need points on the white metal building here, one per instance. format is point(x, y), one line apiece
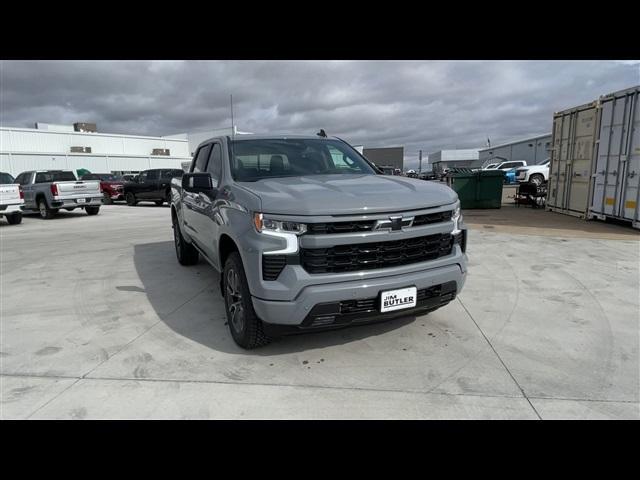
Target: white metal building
point(533, 150)
point(60, 147)
point(443, 159)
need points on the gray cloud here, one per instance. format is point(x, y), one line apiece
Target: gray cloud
point(426, 105)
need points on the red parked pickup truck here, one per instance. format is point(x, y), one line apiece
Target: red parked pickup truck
point(112, 185)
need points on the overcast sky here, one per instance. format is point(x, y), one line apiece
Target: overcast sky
point(428, 105)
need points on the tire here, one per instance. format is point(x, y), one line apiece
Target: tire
point(245, 326)
point(159, 203)
point(92, 210)
point(45, 212)
point(106, 199)
point(14, 219)
point(186, 253)
point(536, 179)
point(131, 199)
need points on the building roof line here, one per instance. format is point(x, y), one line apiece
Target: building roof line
point(522, 140)
point(91, 134)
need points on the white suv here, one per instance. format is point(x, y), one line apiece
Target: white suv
point(537, 174)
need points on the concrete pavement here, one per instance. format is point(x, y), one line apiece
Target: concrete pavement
point(98, 320)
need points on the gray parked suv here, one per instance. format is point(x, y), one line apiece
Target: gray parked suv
point(307, 236)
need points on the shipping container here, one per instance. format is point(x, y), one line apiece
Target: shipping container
point(616, 177)
point(573, 141)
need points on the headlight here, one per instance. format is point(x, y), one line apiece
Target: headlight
point(288, 231)
point(263, 224)
point(457, 218)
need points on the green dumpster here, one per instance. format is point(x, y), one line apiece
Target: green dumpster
point(479, 189)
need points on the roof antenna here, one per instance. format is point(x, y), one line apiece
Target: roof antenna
point(322, 133)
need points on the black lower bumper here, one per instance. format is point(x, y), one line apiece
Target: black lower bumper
point(335, 315)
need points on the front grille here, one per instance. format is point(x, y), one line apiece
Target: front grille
point(430, 218)
point(272, 265)
point(366, 256)
point(340, 227)
point(367, 225)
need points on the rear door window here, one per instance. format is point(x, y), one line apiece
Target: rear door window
point(153, 175)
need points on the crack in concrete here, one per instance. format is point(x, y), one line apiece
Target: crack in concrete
point(327, 387)
point(499, 358)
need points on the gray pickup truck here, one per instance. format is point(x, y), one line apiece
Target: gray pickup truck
point(307, 235)
point(47, 191)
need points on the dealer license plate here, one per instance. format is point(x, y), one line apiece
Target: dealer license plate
point(398, 299)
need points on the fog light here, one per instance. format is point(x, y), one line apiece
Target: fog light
point(324, 320)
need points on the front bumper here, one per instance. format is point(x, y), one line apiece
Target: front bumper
point(312, 301)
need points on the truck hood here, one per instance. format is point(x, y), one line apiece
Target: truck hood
point(347, 194)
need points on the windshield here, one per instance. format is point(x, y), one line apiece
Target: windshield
point(253, 160)
point(546, 162)
point(6, 178)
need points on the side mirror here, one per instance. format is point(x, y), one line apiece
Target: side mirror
point(197, 182)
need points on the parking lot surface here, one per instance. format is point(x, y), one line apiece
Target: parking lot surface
point(98, 320)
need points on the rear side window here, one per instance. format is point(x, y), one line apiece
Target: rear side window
point(153, 175)
point(46, 177)
point(201, 159)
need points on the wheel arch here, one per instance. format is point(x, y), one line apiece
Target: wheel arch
point(226, 246)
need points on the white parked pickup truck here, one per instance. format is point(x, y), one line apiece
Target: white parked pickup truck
point(11, 199)
point(537, 174)
point(47, 191)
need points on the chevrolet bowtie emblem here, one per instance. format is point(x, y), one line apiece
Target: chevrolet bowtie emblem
point(395, 222)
